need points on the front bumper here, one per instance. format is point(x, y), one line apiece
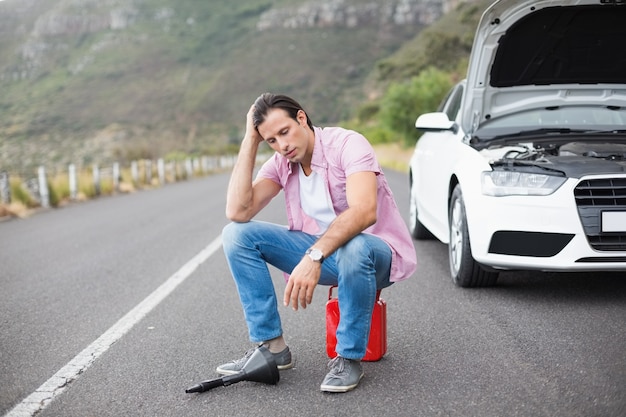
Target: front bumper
point(559, 232)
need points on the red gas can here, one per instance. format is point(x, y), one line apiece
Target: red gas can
point(377, 343)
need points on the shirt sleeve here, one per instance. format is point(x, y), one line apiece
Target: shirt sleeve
point(358, 155)
point(269, 170)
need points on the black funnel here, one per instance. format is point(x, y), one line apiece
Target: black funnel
point(261, 367)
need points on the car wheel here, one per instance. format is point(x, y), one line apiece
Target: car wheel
point(418, 230)
point(466, 272)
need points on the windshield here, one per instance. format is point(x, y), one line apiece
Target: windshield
point(585, 118)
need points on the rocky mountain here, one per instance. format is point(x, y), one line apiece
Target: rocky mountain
point(88, 81)
point(339, 13)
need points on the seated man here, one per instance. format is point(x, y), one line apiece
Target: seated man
point(344, 229)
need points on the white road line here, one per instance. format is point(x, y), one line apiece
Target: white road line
point(53, 387)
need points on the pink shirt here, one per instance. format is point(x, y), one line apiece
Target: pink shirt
point(337, 154)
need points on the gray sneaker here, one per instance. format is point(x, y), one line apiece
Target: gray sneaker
point(344, 375)
point(282, 359)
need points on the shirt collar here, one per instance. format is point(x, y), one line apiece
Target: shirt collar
point(319, 157)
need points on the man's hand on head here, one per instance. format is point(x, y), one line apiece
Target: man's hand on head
point(251, 130)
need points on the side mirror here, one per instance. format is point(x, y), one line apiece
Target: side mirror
point(435, 122)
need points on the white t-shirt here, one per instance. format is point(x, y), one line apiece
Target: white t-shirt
point(315, 200)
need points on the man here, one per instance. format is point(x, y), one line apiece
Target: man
point(344, 229)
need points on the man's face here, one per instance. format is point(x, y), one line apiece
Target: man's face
point(289, 137)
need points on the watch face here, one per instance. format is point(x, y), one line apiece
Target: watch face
point(316, 254)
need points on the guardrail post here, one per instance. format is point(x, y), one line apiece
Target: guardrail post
point(71, 169)
point(215, 163)
point(161, 170)
point(188, 168)
point(5, 188)
point(134, 172)
point(44, 193)
point(116, 176)
point(147, 164)
point(195, 164)
point(96, 179)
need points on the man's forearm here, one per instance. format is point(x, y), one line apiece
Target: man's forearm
point(347, 225)
point(239, 195)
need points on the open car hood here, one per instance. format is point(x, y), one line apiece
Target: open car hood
point(529, 54)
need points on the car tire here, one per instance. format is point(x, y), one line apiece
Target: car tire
point(418, 230)
point(465, 271)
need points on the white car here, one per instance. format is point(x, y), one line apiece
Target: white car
point(523, 167)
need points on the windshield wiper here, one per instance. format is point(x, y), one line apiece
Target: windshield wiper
point(606, 132)
point(556, 131)
point(542, 131)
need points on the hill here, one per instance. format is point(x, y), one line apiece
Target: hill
point(87, 81)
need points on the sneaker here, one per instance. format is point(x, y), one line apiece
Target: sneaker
point(282, 359)
point(344, 375)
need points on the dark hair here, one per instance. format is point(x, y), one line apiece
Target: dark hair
point(267, 101)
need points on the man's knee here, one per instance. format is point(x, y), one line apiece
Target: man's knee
point(354, 256)
point(366, 253)
point(356, 248)
point(233, 233)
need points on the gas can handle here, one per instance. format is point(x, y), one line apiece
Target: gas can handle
point(330, 293)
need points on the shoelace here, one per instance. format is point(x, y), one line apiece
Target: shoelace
point(337, 366)
point(246, 356)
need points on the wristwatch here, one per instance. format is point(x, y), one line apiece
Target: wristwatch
point(316, 255)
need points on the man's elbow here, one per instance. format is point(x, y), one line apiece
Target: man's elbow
point(369, 218)
point(372, 220)
point(237, 216)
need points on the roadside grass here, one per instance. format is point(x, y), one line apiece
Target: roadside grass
point(393, 156)
point(20, 194)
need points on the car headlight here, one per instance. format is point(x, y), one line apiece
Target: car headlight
point(504, 183)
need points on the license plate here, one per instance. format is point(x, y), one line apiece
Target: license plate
point(614, 221)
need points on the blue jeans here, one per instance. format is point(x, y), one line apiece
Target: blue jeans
point(358, 268)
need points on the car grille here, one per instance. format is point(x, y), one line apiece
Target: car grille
point(592, 198)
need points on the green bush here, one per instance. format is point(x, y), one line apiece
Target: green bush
point(404, 101)
point(60, 186)
point(378, 135)
point(367, 111)
point(86, 187)
point(53, 195)
point(20, 194)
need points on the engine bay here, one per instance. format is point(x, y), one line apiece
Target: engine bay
point(573, 159)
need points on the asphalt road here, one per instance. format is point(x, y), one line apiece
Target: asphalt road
point(535, 345)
